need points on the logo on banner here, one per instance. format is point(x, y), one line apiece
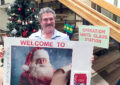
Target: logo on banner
point(80, 79)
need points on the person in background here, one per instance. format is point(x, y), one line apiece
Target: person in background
point(47, 18)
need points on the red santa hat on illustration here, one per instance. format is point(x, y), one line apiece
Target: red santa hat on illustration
point(33, 55)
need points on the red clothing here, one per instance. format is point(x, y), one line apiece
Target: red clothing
point(26, 79)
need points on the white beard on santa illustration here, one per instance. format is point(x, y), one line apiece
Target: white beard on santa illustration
point(43, 72)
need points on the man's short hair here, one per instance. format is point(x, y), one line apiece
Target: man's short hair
point(46, 10)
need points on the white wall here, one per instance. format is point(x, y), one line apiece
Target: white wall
point(9, 1)
point(118, 5)
point(113, 2)
point(3, 19)
point(110, 1)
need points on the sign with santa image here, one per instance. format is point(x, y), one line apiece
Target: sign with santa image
point(45, 62)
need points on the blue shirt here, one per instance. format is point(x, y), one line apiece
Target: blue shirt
point(56, 36)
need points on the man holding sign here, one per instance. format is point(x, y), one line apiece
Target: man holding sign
point(47, 20)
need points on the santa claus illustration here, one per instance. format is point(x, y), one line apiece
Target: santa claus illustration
point(37, 69)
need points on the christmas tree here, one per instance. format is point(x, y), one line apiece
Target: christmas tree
point(22, 18)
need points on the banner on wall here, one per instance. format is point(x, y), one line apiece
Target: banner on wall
point(99, 35)
point(34, 62)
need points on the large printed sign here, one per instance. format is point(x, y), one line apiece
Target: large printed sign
point(52, 55)
point(99, 35)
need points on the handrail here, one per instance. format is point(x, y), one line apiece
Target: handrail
point(93, 16)
point(111, 8)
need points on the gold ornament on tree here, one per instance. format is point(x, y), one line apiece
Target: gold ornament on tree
point(19, 21)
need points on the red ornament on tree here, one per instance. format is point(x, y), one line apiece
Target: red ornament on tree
point(24, 34)
point(1, 55)
point(1, 52)
point(28, 22)
point(19, 9)
point(6, 35)
point(12, 18)
point(33, 9)
point(34, 30)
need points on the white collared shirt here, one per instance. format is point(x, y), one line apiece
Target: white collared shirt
point(57, 35)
